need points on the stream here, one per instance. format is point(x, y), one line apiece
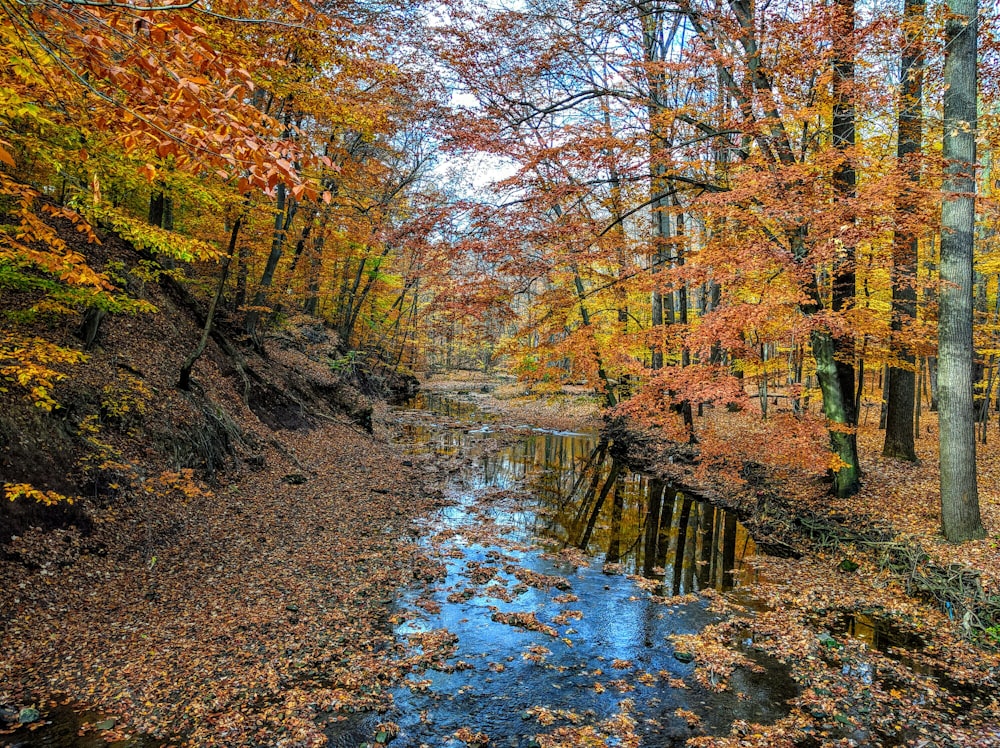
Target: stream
point(563, 577)
point(553, 584)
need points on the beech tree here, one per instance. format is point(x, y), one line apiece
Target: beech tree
point(900, 384)
point(960, 516)
point(759, 170)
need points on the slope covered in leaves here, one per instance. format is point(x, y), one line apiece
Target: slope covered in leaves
point(233, 617)
point(224, 567)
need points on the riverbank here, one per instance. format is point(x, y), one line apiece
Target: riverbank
point(569, 408)
point(252, 614)
point(264, 612)
point(876, 664)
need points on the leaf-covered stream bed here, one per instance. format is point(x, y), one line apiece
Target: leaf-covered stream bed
point(551, 597)
point(561, 579)
point(575, 602)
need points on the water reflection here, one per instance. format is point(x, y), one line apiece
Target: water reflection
point(579, 494)
point(643, 523)
point(592, 649)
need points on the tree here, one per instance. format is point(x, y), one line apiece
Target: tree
point(845, 184)
point(960, 518)
point(900, 387)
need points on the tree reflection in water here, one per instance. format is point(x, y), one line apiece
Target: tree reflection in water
point(586, 497)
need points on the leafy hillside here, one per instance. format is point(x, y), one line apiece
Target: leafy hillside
point(99, 416)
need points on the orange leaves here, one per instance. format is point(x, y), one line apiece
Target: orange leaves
point(234, 641)
point(715, 658)
point(157, 81)
point(5, 156)
point(527, 621)
point(692, 719)
point(472, 739)
point(32, 241)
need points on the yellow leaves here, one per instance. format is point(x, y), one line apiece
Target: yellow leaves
point(14, 491)
point(182, 481)
point(125, 400)
point(155, 240)
point(836, 463)
point(31, 241)
point(28, 363)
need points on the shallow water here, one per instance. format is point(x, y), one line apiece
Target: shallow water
point(64, 726)
point(560, 505)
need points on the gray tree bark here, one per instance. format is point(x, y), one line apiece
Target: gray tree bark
point(845, 186)
point(960, 517)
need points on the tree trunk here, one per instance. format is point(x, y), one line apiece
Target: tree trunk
point(614, 554)
point(609, 483)
point(960, 517)
point(284, 214)
point(609, 392)
point(682, 533)
point(652, 526)
point(184, 381)
point(726, 574)
point(311, 305)
point(845, 186)
point(846, 478)
point(899, 421)
point(156, 203)
point(656, 41)
point(707, 532)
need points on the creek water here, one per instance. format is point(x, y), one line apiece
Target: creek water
point(564, 575)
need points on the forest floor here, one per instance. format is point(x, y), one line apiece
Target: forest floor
point(255, 612)
point(260, 612)
point(239, 616)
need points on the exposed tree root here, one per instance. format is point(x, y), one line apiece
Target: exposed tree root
point(957, 589)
